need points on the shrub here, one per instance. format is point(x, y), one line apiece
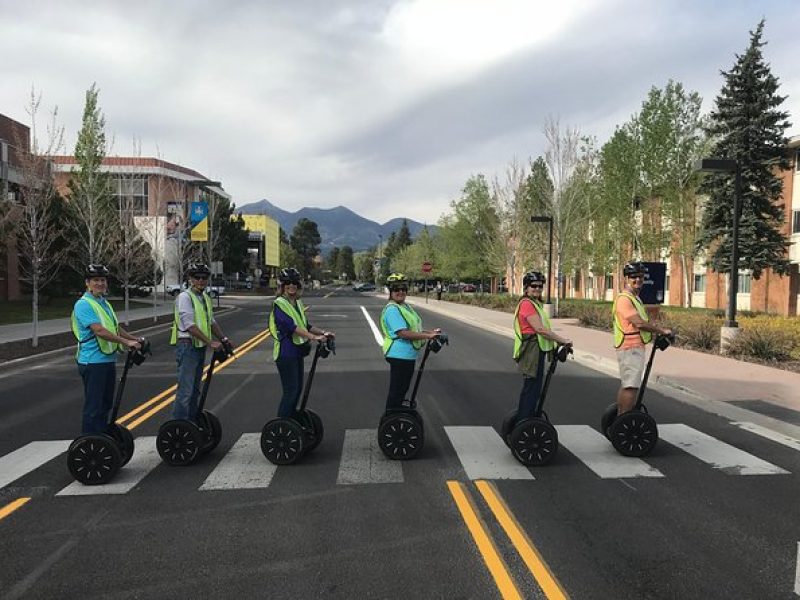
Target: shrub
point(765, 343)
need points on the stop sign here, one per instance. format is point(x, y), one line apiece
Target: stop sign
point(427, 267)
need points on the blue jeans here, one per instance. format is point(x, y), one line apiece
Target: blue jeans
point(190, 374)
point(291, 372)
point(531, 390)
point(99, 381)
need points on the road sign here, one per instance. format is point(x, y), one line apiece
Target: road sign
point(427, 267)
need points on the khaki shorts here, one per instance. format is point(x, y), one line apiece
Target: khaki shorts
point(631, 366)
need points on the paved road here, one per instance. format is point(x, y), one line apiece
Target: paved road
point(712, 513)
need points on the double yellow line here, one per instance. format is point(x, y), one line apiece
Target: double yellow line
point(491, 556)
point(150, 407)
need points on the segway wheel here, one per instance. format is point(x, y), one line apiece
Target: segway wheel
point(534, 442)
point(94, 459)
point(316, 430)
point(211, 431)
point(401, 436)
point(179, 442)
point(124, 439)
point(609, 415)
point(282, 441)
point(634, 434)
point(508, 425)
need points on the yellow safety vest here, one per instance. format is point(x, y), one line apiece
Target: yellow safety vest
point(619, 335)
point(545, 344)
point(412, 319)
point(298, 315)
point(109, 321)
point(200, 311)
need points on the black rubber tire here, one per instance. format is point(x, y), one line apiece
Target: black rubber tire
point(282, 441)
point(124, 438)
point(178, 442)
point(316, 430)
point(534, 442)
point(401, 436)
point(634, 433)
point(210, 431)
point(508, 426)
point(609, 416)
point(94, 459)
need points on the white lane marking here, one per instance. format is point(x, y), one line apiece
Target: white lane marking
point(363, 462)
point(484, 455)
point(244, 467)
point(328, 295)
point(718, 454)
point(770, 434)
point(596, 452)
point(797, 572)
point(145, 459)
point(28, 458)
point(375, 331)
point(334, 315)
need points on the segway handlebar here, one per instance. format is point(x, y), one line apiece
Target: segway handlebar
point(662, 342)
point(437, 343)
point(562, 352)
point(224, 352)
point(138, 355)
point(326, 347)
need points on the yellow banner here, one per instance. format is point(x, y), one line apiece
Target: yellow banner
point(200, 231)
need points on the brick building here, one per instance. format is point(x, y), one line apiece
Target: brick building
point(12, 134)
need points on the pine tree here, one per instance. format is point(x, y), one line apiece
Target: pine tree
point(749, 127)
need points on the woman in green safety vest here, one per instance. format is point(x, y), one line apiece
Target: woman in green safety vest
point(403, 337)
point(292, 335)
point(533, 339)
point(632, 331)
point(99, 336)
point(192, 330)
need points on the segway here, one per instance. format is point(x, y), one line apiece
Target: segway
point(285, 440)
point(635, 433)
point(94, 459)
point(401, 432)
point(534, 440)
point(180, 441)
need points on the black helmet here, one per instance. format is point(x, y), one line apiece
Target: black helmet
point(96, 271)
point(395, 281)
point(290, 275)
point(198, 269)
point(634, 268)
point(532, 277)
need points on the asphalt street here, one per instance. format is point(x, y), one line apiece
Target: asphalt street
point(713, 512)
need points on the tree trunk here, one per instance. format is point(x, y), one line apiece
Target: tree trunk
point(35, 312)
point(687, 280)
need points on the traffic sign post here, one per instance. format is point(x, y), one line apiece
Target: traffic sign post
point(427, 267)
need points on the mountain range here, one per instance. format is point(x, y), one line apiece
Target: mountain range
point(338, 226)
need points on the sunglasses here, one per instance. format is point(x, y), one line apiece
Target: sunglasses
point(537, 286)
point(200, 277)
point(635, 276)
point(400, 289)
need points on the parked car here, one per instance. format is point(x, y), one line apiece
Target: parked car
point(364, 287)
point(214, 290)
point(468, 287)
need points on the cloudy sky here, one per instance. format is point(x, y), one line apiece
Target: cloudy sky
point(386, 107)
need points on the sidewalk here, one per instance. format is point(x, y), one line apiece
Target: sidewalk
point(736, 384)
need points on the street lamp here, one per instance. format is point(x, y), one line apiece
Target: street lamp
point(729, 165)
point(549, 221)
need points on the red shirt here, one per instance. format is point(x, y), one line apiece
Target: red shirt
point(526, 309)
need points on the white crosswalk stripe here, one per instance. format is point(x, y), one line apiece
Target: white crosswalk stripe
point(28, 458)
point(716, 453)
point(363, 462)
point(484, 455)
point(145, 459)
point(596, 452)
point(243, 467)
point(775, 436)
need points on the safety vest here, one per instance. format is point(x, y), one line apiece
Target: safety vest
point(619, 335)
point(545, 344)
point(297, 314)
point(109, 321)
point(203, 314)
point(411, 318)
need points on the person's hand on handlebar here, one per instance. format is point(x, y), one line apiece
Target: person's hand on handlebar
point(132, 344)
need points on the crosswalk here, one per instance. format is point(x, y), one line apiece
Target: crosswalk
point(480, 453)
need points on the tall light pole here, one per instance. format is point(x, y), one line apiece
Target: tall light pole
point(549, 221)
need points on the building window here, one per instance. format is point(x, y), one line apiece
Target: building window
point(609, 282)
point(666, 283)
point(796, 221)
point(577, 283)
point(131, 193)
point(744, 281)
point(699, 283)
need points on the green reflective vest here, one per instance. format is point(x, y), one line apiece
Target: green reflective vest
point(297, 314)
point(545, 344)
point(619, 335)
point(411, 318)
point(203, 314)
point(109, 321)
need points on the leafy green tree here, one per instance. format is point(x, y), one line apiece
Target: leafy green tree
point(333, 262)
point(289, 256)
point(749, 126)
point(344, 264)
point(364, 262)
point(232, 238)
point(305, 240)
